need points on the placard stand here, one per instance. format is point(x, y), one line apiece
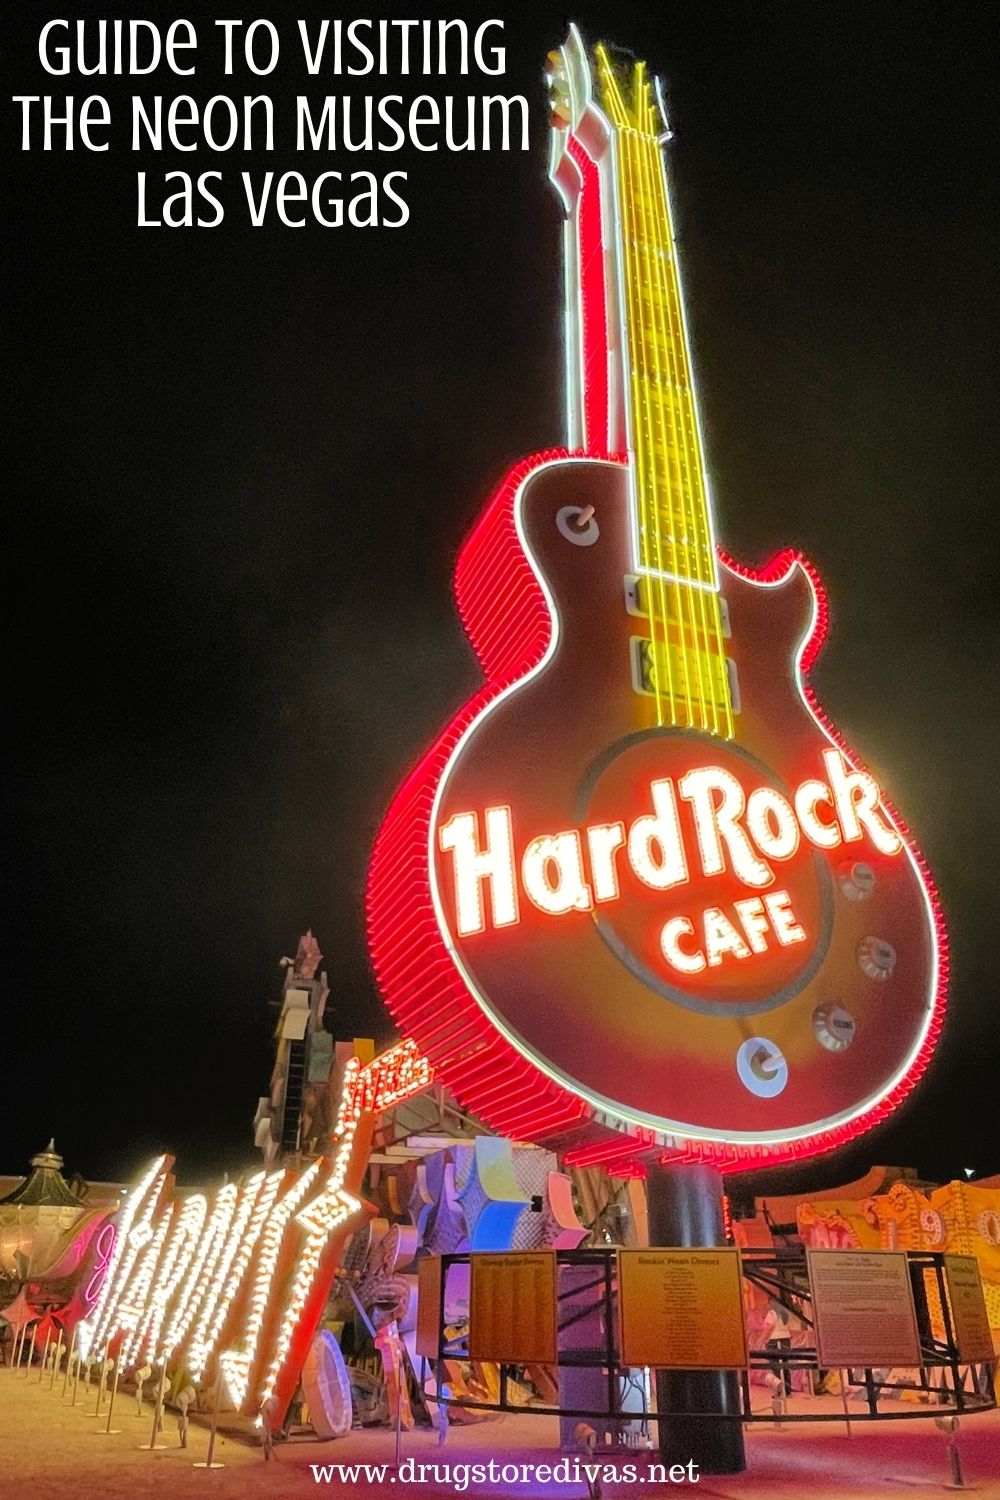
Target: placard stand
point(56, 1360)
point(45, 1356)
point(698, 1411)
point(69, 1364)
point(208, 1464)
point(31, 1351)
point(153, 1446)
point(110, 1431)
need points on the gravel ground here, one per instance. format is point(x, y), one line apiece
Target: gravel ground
point(49, 1449)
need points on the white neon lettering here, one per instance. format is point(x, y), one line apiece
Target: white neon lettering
point(472, 865)
point(721, 938)
point(567, 891)
point(662, 829)
point(603, 841)
point(772, 824)
point(685, 963)
point(751, 914)
point(715, 821)
point(574, 869)
point(779, 909)
point(808, 796)
point(856, 798)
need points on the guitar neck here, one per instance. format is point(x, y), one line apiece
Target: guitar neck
point(629, 382)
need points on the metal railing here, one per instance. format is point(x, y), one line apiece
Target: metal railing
point(588, 1305)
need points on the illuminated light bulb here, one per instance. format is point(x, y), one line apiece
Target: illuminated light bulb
point(786, 928)
point(236, 1364)
point(716, 823)
point(94, 1333)
point(332, 1208)
point(685, 963)
point(772, 823)
point(388, 1078)
point(662, 830)
point(808, 796)
point(181, 1246)
point(603, 842)
point(472, 866)
point(567, 891)
point(136, 1290)
point(755, 925)
point(213, 1303)
point(207, 1252)
point(721, 937)
point(857, 799)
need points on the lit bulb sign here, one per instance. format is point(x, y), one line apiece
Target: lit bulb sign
point(640, 895)
point(747, 836)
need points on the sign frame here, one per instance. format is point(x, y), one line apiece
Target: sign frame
point(835, 1356)
point(528, 1335)
point(635, 1347)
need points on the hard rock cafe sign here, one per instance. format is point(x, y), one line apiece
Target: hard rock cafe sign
point(640, 895)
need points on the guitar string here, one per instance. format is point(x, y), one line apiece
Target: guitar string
point(661, 334)
point(708, 596)
point(712, 660)
point(616, 109)
point(676, 397)
point(652, 382)
point(652, 533)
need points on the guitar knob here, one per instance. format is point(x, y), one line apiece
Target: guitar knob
point(857, 881)
point(876, 957)
point(577, 524)
point(761, 1067)
point(834, 1027)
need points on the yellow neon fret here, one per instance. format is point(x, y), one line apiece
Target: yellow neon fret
point(684, 662)
point(676, 353)
point(647, 524)
point(656, 327)
point(640, 360)
point(662, 657)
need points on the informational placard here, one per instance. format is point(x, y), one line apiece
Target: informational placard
point(970, 1320)
point(513, 1315)
point(863, 1309)
point(429, 1306)
point(682, 1309)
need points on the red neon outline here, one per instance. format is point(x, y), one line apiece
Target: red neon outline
point(593, 303)
point(506, 617)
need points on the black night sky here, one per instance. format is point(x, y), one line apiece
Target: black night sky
point(238, 464)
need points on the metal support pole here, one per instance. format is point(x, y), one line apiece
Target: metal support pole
point(698, 1411)
point(843, 1401)
point(208, 1464)
point(110, 1431)
point(31, 1351)
point(45, 1356)
point(56, 1360)
point(69, 1361)
point(102, 1375)
point(22, 1332)
point(152, 1446)
point(76, 1380)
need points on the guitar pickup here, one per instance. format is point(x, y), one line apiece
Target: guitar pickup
point(637, 601)
point(684, 675)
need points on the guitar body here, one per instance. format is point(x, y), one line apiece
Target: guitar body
point(582, 1003)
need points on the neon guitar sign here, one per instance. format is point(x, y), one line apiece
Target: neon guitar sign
point(640, 895)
